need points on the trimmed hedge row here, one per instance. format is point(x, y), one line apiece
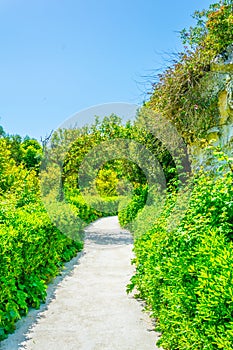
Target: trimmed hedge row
point(32, 251)
point(186, 275)
point(95, 208)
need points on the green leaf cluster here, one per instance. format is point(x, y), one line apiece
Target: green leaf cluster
point(185, 275)
point(32, 249)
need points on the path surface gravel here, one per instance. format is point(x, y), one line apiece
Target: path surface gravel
point(88, 308)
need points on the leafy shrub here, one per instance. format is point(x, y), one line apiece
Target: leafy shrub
point(106, 182)
point(105, 206)
point(186, 275)
point(92, 207)
point(129, 213)
point(32, 251)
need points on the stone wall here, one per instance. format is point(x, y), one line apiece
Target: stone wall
point(222, 133)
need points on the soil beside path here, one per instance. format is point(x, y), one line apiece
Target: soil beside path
point(90, 309)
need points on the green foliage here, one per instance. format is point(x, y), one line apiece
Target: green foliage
point(187, 92)
point(109, 129)
point(32, 249)
point(14, 141)
point(106, 182)
point(117, 175)
point(86, 212)
point(24, 151)
point(130, 211)
point(31, 153)
point(214, 27)
point(185, 275)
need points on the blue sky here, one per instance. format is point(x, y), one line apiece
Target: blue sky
point(61, 56)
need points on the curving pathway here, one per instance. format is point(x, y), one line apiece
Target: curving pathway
point(90, 309)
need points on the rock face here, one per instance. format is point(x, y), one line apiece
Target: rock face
point(224, 61)
point(222, 133)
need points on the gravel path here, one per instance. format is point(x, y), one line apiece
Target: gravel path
point(88, 308)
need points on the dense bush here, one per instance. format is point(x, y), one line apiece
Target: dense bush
point(32, 252)
point(32, 249)
point(129, 212)
point(185, 272)
point(186, 275)
point(91, 208)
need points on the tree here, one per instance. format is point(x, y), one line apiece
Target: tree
point(31, 153)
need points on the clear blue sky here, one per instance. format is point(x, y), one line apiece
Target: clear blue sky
point(61, 56)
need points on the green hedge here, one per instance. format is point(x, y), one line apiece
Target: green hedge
point(130, 211)
point(94, 208)
point(186, 275)
point(32, 251)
